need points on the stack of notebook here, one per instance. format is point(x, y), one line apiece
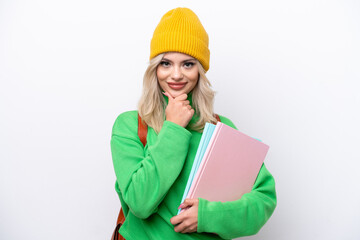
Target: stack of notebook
point(226, 164)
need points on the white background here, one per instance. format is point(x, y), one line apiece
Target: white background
point(286, 72)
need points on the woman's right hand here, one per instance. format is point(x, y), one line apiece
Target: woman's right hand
point(179, 110)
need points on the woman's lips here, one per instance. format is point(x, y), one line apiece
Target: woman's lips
point(177, 86)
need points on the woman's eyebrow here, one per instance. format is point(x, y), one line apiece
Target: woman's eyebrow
point(190, 59)
point(186, 60)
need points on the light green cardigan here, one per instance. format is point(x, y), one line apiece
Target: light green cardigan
point(151, 181)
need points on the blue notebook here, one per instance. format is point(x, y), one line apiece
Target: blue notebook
point(204, 141)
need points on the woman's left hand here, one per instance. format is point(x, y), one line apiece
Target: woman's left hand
point(187, 220)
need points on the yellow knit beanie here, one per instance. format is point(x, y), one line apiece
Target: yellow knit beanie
point(180, 30)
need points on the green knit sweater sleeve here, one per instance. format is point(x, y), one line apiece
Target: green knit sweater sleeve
point(242, 217)
point(145, 178)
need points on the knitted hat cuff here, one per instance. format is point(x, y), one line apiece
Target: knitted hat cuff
point(177, 42)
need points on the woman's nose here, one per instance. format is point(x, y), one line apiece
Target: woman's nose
point(176, 73)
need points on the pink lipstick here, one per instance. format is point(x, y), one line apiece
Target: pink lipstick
point(177, 86)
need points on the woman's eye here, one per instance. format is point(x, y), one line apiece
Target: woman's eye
point(188, 64)
point(164, 64)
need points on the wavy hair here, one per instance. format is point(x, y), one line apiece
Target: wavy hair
point(152, 103)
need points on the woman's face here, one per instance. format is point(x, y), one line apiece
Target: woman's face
point(177, 73)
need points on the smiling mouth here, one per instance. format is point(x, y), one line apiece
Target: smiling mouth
point(177, 86)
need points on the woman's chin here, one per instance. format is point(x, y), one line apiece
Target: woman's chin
point(175, 94)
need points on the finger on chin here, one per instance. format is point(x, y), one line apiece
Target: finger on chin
point(181, 97)
point(168, 95)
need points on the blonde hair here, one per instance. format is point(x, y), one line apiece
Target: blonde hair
point(152, 103)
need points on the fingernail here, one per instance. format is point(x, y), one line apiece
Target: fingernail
point(181, 206)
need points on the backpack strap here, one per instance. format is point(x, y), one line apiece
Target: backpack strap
point(120, 221)
point(142, 130)
point(142, 133)
point(217, 117)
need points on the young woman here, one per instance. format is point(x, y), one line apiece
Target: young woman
point(176, 103)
